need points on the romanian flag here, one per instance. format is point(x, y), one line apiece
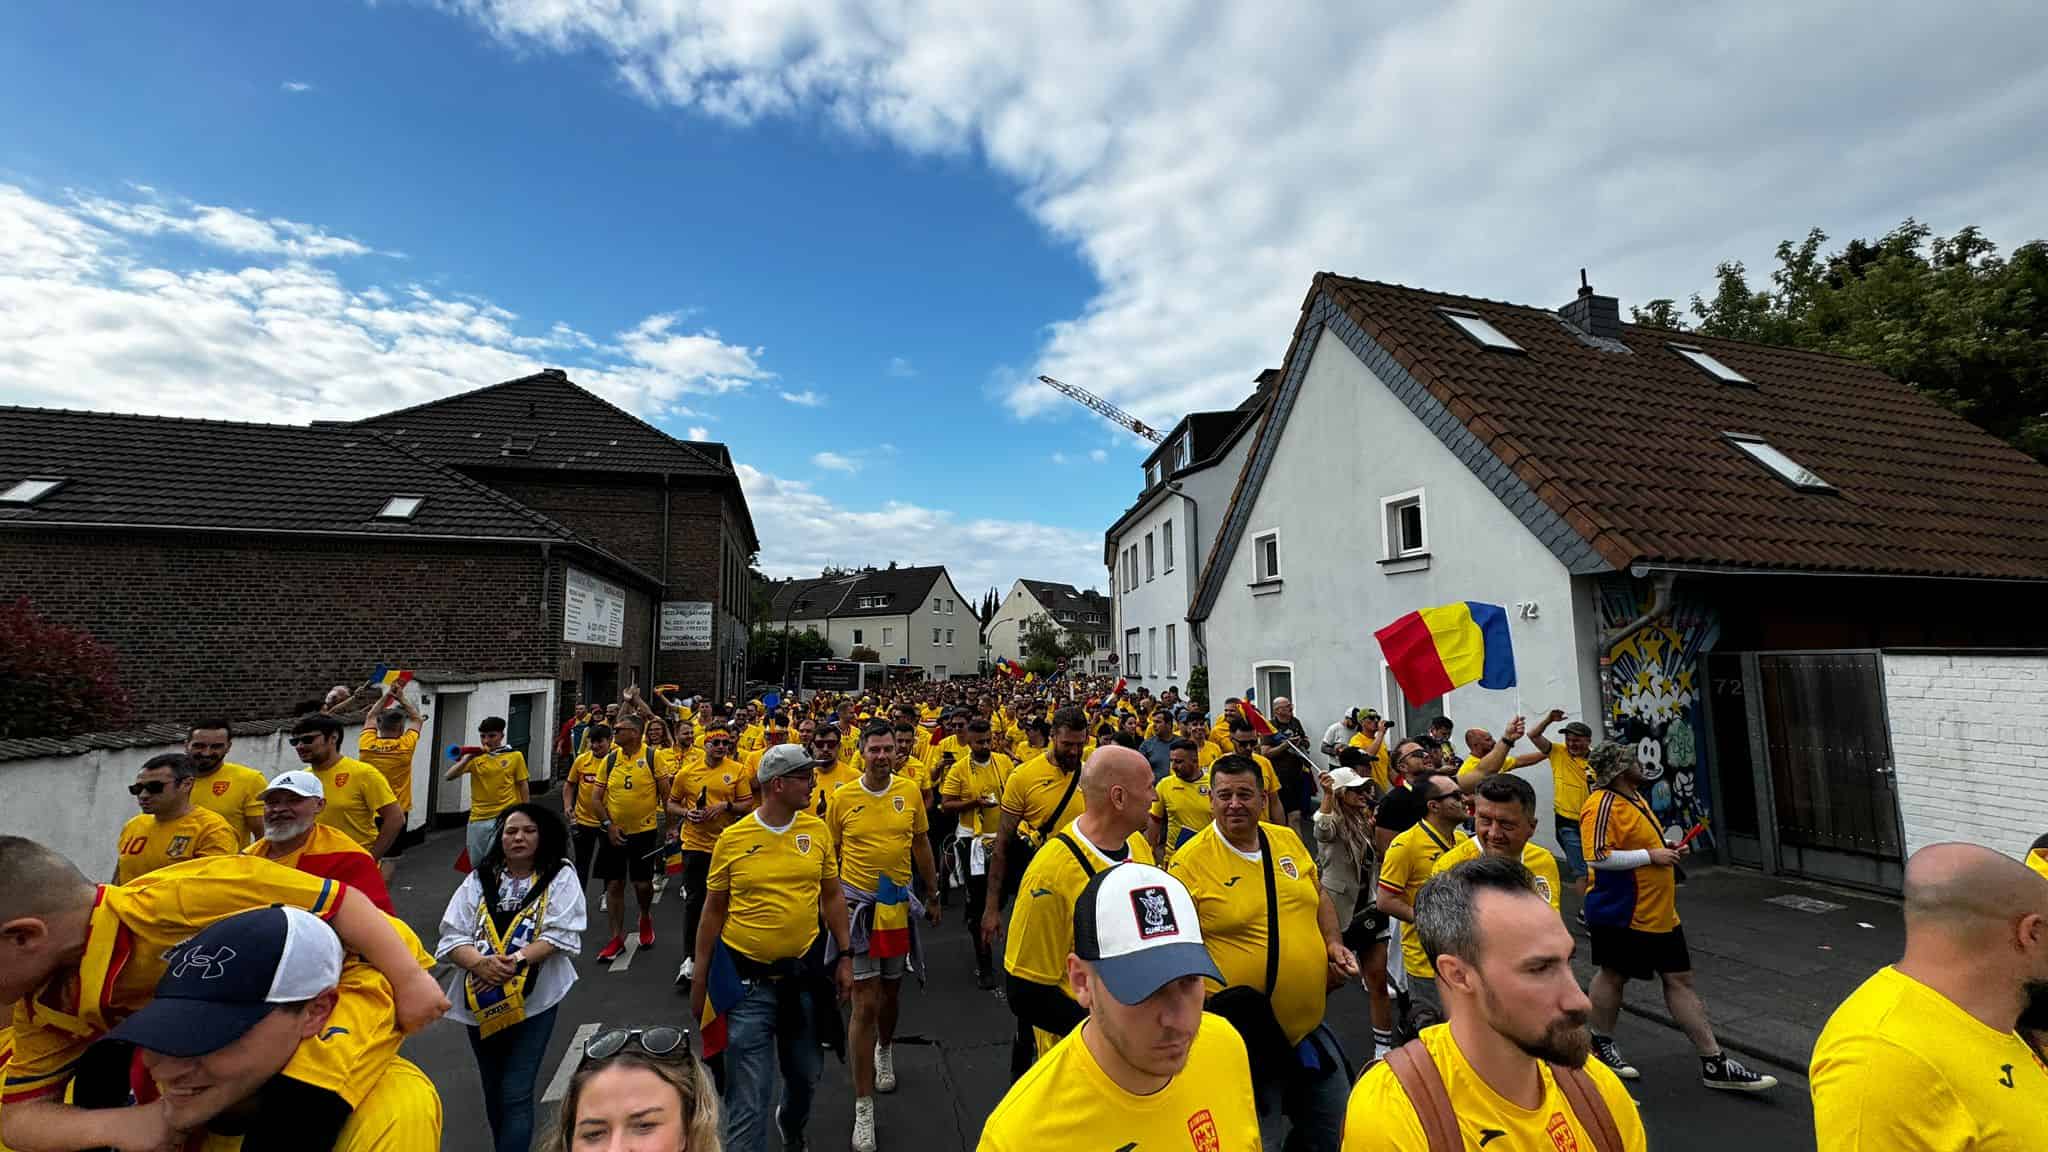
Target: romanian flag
point(890, 934)
point(722, 990)
point(672, 858)
point(1260, 725)
point(393, 679)
point(1437, 649)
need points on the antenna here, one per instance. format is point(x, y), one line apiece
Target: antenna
point(1114, 414)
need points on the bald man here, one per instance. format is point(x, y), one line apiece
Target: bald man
point(1926, 1054)
point(1117, 785)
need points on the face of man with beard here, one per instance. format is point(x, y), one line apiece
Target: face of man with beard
point(1522, 979)
point(1067, 745)
point(287, 815)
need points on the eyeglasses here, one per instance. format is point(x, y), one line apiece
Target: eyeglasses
point(307, 738)
point(662, 1043)
point(147, 787)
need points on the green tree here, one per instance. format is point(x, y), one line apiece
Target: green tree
point(1046, 648)
point(764, 650)
point(1944, 314)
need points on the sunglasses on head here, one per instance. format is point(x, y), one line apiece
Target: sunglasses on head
point(663, 1043)
point(147, 787)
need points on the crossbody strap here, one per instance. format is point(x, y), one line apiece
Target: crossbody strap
point(1589, 1106)
point(1080, 857)
point(1419, 1078)
point(1052, 823)
point(1272, 917)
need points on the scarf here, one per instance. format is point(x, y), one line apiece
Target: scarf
point(501, 933)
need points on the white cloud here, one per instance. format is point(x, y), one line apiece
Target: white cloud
point(900, 368)
point(802, 531)
point(836, 462)
point(1098, 455)
point(699, 432)
point(219, 227)
point(1207, 158)
point(805, 399)
point(1059, 457)
point(296, 86)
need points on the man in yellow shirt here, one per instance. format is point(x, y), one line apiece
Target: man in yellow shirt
point(1248, 879)
point(1632, 920)
point(1503, 824)
point(1925, 1055)
point(170, 828)
point(1503, 962)
point(582, 795)
point(1182, 808)
point(1117, 784)
point(387, 743)
point(835, 755)
point(705, 798)
point(1040, 798)
point(359, 800)
point(631, 801)
point(772, 880)
point(497, 781)
point(232, 791)
point(218, 1032)
point(972, 793)
point(878, 825)
point(1148, 1068)
point(1571, 781)
point(1403, 872)
point(1245, 742)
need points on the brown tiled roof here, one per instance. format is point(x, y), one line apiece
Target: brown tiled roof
point(1628, 448)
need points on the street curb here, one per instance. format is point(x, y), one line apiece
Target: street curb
point(1733, 1041)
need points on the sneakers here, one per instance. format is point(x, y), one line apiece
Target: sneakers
point(1605, 1051)
point(885, 1070)
point(610, 952)
point(864, 1124)
point(984, 980)
point(684, 973)
point(647, 931)
point(1727, 1073)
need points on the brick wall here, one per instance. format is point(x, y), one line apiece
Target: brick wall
point(621, 516)
point(250, 626)
point(1970, 747)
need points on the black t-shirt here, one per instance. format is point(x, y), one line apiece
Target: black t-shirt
point(1121, 853)
point(1401, 810)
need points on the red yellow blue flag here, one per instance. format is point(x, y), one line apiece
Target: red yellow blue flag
point(1434, 650)
point(890, 935)
point(722, 991)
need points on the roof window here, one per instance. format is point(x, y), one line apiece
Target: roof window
point(401, 507)
point(1782, 466)
point(1482, 333)
point(1712, 367)
point(29, 491)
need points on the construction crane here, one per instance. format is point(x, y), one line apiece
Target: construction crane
point(1116, 415)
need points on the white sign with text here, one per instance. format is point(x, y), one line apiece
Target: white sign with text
point(686, 626)
point(593, 611)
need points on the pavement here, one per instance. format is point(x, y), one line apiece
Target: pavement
point(952, 1054)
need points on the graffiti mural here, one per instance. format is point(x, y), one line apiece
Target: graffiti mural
point(1653, 678)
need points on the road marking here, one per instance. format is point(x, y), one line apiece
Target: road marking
point(625, 959)
point(559, 1086)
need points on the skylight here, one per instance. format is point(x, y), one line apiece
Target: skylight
point(401, 507)
point(1711, 366)
point(29, 491)
point(1482, 333)
point(1784, 467)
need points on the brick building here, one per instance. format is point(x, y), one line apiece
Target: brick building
point(527, 529)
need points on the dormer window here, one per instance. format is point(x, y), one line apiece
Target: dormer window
point(26, 492)
point(401, 507)
point(1706, 363)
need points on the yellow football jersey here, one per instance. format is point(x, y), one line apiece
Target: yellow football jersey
point(234, 792)
point(1033, 792)
point(700, 785)
point(356, 792)
point(148, 843)
point(393, 758)
point(1407, 866)
point(1230, 897)
point(871, 833)
point(773, 877)
point(1536, 859)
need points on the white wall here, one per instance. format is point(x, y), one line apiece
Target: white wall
point(481, 699)
point(1349, 442)
point(1006, 627)
point(1969, 747)
point(1194, 514)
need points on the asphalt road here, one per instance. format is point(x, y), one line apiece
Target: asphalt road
point(952, 1058)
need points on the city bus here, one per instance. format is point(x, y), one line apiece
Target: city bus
point(841, 676)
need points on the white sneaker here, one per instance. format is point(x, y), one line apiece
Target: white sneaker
point(684, 973)
point(864, 1124)
point(885, 1068)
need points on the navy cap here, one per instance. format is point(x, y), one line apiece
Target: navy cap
point(1137, 925)
point(221, 983)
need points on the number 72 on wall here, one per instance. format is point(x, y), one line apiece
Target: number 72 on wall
point(1525, 610)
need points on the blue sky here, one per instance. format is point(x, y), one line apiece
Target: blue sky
point(844, 238)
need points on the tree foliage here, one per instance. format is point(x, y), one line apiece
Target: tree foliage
point(55, 681)
point(1945, 314)
point(764, 651)
point(1046, 648)
point(864, 655)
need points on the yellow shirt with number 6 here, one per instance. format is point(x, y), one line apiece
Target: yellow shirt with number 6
point(632, 796)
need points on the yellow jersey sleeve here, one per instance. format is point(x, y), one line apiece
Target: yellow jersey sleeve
point(1402, 866)
point(172, 904)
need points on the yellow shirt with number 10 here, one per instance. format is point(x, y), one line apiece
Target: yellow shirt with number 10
point(148, 843)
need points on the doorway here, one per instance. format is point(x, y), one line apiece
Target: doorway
point(451, 727)
point(600, 683)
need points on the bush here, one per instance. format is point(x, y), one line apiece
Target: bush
point(864, 655)
point(1198, 685)
point(55, 681)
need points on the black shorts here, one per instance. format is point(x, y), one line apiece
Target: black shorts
point(1639, 955)
point(634, 860)
point(407, 838)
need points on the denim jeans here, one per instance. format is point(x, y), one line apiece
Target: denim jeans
point(754, 1048)
point(509, 1062)
point(1309, 1111)
point(1571, 848)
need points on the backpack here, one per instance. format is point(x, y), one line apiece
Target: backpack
point(1425, 1088)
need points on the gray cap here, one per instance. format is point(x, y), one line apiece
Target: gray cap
point(1577, 728)
point(784, 760)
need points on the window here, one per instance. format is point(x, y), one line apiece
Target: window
point(1784, 467)
point(949, 636)
point(1265, 557)
point(29, 491)
point(1712, 367)
point(1166, 545)
point(1131, 667)
point(1403, 530)
point(1172, 656)
point(401, 507)
point(938, 671)
point(1152, 649)
point(1149, 568)
point(1483, 334)
point(1151, 474)
point(935, 635)
point(888, 637)
point(949, 606)
point(1413, 716)
point(856, 637)
point(1180, 453)
point(1273, 681)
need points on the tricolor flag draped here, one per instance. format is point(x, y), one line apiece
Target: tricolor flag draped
point(1260, 725)
point(722, 990)
point(890, 934)
point(1437, 649)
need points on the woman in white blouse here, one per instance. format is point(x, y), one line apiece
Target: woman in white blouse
point(510, 930)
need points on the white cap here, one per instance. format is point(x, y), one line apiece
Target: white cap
point(297, 783)
point(1342, 778)
point(1137, 925)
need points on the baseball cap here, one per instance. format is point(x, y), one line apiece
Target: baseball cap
point(1137, 926)
point(784, 760)
point(298, 784)
point(224, 981)
point(1576, 728)
point(1342, 778)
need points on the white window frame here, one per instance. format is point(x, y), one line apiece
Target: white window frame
point(1711, 364)
point(1152, 474)
point(1172, 656)
point(30, 489)
point(1778, 463)
point(1131, 654)
point(935, 636)
point(1480, 330)
point(949, 637)
point(403, 506)
point(1259, 574)
point(1394, 706)
point(1151, 565)
point(1152, 650)
point(856, 636)
point(1259, 671)
point(1390, 525)
point(888, 637)
point(1166, 546)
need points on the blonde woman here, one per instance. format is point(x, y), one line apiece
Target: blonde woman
point(638, 1090)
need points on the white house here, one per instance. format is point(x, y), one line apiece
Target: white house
point(1070, 611)
point(1806, 594)
point(1155, 550)
point(909, 616)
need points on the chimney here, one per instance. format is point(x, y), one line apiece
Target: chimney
point(555, 373)
point(1596, 316)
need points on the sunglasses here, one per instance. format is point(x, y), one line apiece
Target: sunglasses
point(662, 1043)
point(147, 788)
point(308, 738)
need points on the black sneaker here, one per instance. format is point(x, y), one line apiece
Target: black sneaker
point(984, 980)
point(1727, 1073)
point(1605, 1052)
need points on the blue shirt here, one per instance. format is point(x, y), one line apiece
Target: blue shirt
point(1160, 753)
